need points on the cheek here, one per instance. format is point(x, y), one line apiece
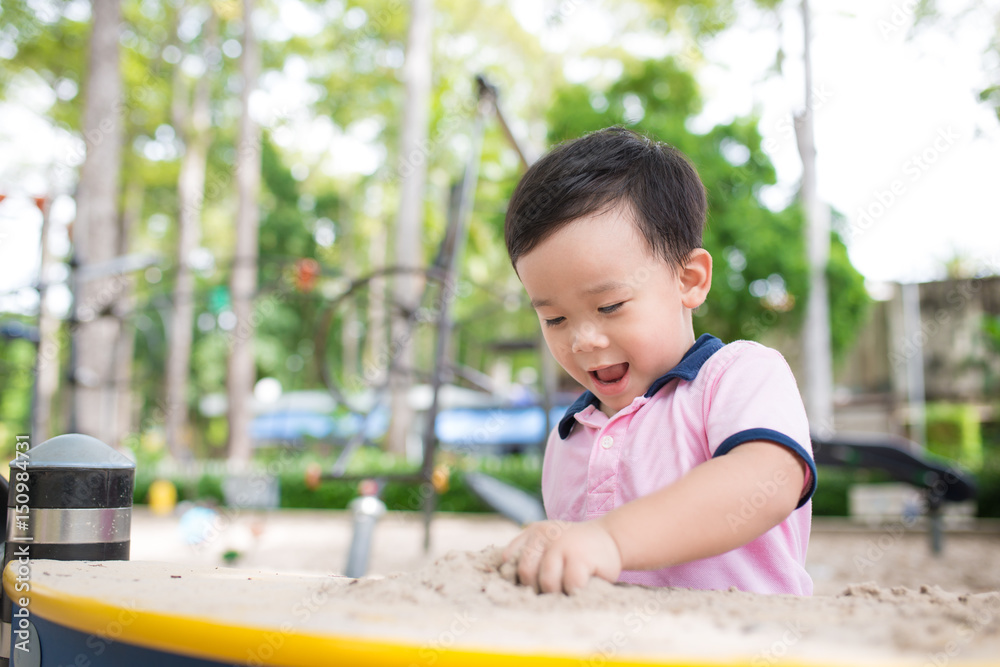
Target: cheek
point(560, 347)
point(644, 333)
point(555, 339)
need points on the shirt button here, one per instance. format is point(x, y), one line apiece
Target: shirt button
point(607, 441)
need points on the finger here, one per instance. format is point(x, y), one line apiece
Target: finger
point(576, 575)
point(528, 560)
point(527, 533)
point(513, 548)
point(550, 572)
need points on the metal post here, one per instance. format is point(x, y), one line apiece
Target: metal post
point(913, 349)
point(448, 260)
point(70, 498)
point(367, 509)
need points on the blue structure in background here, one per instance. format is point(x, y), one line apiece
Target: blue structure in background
point(291, 425)
point(491, 429)
point(494, 429)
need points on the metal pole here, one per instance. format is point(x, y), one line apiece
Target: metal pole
point(451, 252)
point(45, 379)
point(366, 510)
point(816, 329)
point(72, 377)
point(485, 88)
point(913, 347)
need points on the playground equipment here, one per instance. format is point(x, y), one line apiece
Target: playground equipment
point(904, 461)
point(519, 506)
point(441, 288)
point(366, 510)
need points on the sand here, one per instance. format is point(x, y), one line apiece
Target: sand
point(881, 595)
point(468, 600)
point(863, 622)
point(841, 552)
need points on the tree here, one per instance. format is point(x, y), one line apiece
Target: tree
point(190, 116)
point(96, 231)
point(412, 171)
point(761, 270)
point(243, 283)
point(816, 338)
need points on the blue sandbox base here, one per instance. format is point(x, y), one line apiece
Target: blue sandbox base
point(64, 647)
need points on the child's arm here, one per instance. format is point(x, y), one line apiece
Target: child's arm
point(696, 517)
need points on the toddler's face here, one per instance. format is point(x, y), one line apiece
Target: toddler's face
point(614, 316)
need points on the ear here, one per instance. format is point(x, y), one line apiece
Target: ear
point(696, 278)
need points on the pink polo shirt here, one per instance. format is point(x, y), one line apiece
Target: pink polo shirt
point(718, 397)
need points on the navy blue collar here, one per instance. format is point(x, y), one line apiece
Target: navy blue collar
point(686, 369)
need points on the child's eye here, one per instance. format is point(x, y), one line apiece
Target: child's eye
point(555, 321)
point(607, 310)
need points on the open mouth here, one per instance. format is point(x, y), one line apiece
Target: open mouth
point(610, 375)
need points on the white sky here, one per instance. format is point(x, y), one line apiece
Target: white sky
point(883, 101)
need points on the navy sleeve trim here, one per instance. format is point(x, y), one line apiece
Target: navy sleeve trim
point(777, 437)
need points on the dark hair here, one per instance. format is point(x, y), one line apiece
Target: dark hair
point(607, 168)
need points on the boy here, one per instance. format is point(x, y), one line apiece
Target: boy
point(685, 463)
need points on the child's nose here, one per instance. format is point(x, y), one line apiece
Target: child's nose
point(587, 338)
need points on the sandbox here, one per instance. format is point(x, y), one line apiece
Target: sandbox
point(465, 609)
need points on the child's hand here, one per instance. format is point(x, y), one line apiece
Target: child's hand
point(554, 556)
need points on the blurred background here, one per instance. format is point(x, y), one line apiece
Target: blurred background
point(255, 235)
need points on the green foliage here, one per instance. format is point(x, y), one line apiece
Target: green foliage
point(954, 432)
point(761, 272)
point(991, 336)
point(991, 327)
point(398, 496)
point(850, 304)
point(833, 488)
point(699, 17)
point(17, 360)
point(522, 471)
point(48, 47)
point(285, 316)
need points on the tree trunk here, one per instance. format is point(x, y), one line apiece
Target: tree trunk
point(125, 350)
point(412, 170)
point(373, 367)
point(816, 335)
point(243, 283)
point(350, 359)
point(95, 231)
point(47, 359)
point(193, 128)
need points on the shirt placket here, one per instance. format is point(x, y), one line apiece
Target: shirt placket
point(602, 471)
